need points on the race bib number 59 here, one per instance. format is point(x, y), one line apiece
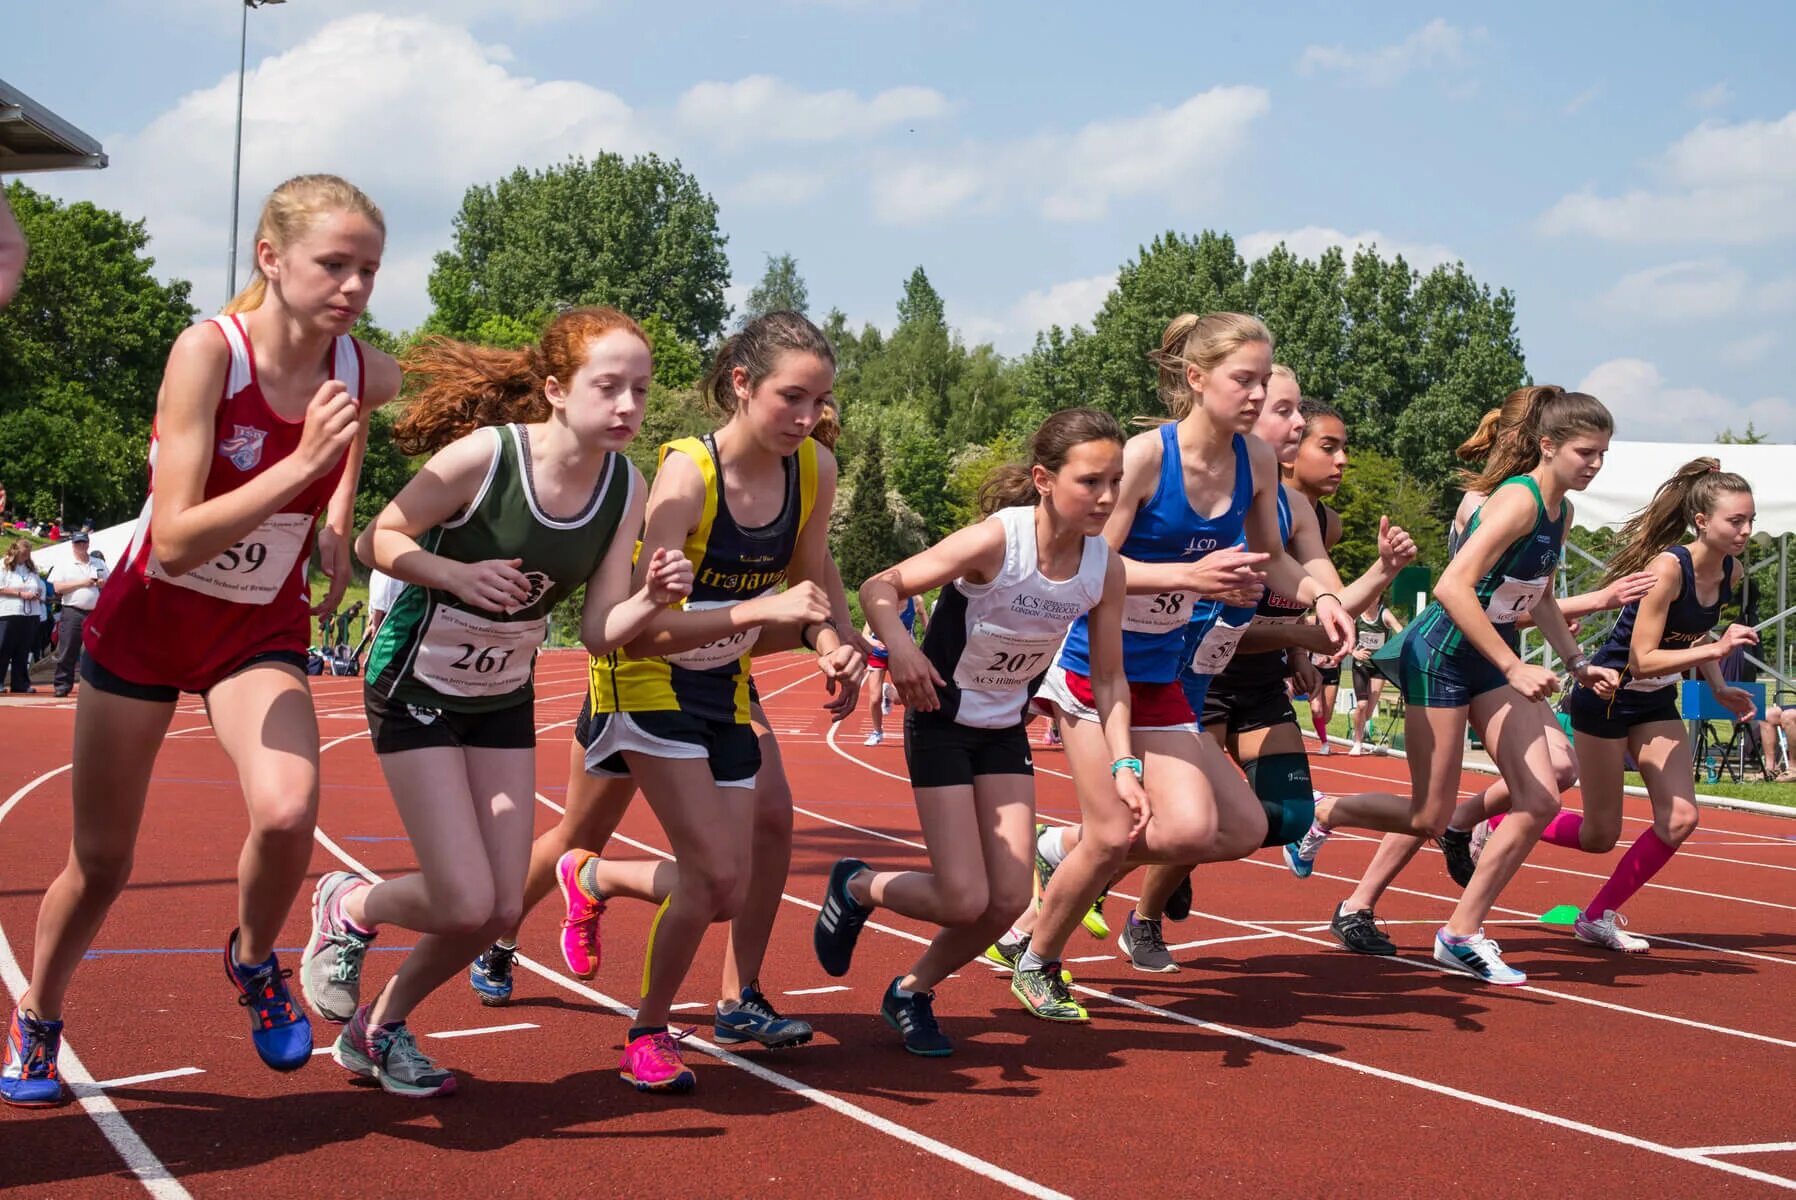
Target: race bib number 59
point(254, 570)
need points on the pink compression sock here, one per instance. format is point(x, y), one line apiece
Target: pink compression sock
point(1642, 861)
point(1562, 830)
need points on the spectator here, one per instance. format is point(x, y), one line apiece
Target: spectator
point(46, 619)
point(20, 597)
point(383, 593)
point(78, 583)
point(2, 503)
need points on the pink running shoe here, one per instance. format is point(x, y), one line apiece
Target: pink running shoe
point(652, 1063)
point(580, 927)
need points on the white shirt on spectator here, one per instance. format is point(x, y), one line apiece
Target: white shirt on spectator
point(68, 572)
point(15, 606)
point(383, 591)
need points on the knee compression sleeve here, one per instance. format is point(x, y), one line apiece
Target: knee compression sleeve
point(1282, 783)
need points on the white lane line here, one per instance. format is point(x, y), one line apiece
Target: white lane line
point(1092, 958)
point(1333, 1060)
point(1749, 1148)
point(1240, 937)
point(138, 1158)
point(1770, 958)
point(818, 991)
point(823, 1099)
point(462, 1033)
point(689, 1006)
point(150, 1077)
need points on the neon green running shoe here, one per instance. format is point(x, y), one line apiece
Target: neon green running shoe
point(1093, 920)
point(1044, 993)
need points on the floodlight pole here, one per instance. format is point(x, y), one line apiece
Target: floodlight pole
point(237, 141)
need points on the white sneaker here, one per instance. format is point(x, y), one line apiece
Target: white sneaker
point(1478, 956)
point(873, 739)
point(1608, 934)
point(1480, 835)
point(1325, 749)
point(1357, 750)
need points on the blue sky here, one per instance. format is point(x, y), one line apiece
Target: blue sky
point(1629, 171)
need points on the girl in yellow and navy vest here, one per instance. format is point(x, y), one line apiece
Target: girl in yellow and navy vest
point(501, 523)
point(749, 503)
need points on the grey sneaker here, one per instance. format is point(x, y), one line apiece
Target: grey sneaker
point(330, 972)
point(1142, 941)
point(389, 1055)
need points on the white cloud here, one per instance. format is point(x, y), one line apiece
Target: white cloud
point(1702, 289)
point(306, 15)
point(1647, 409)
point(1436, 46)
point(1066, 304)
point(761, 108)
point(777, 187)
point(1577, 102)
point(1177, 153)
point(1749, 351)
point(1721, 182)
point(411, 111)
point(1312, 240)
point(1712, 97)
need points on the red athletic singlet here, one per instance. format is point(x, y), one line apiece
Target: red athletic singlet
point(192, 630)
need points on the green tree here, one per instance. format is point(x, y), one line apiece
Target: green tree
point(1752, 437)
point(82, 350)
point(384, 470)
point(781, 289)
point(868, 541)
point(970, 468)
point(678, 363)
point(1376, 486)
point(639, 234)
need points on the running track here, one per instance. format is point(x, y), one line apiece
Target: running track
point(1275, 1061)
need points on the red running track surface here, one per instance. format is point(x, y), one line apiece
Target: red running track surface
point(1274, 1061)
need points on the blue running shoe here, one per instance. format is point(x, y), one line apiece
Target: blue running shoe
point(754, 1019)
point(839, 921)
point(914, 1019)
point(29, 1078)
point(1479, 956)
point(490, 975)
point(282, 1035)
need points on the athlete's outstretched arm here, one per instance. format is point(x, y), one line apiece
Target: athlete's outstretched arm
point(975, 553)
point(187, 530)
point(1284, 573)
point(612, 614)
point(840, 658)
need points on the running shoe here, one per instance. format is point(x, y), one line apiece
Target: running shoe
point(752, 1018)
point(330, 970)
point(1178, 905)
point(1456, 848)
point(1044, 993)
point(389, 1055)
point(280, 1031)
point(1356, 750)
point(1008, 954)
point(1477, 955)
point(1608, 934)
point(490, 975)
point(1324, 749)
point(913, 1017)
point(652, 1063)
point(1359, 932)
point(1093, 920)
point(1300, 855)
point(839, 921)
point(1044, 870)
point(886, 692)
point(1480, 838)
point(873, 739)
point(29, 1078)
point(580, 917)
point(1145, 946)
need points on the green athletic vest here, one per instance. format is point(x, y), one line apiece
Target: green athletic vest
point(433, 651)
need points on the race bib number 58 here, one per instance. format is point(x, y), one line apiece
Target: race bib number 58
point(1161, 612)
point(254, 570)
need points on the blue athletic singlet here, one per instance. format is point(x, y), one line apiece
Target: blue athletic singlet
point(1166, 529)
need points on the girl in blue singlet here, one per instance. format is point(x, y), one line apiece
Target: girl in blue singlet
point(1191, 489)
point(1461, 660)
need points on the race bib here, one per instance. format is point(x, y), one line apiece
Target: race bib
point(1160, 613)
point(723, 651)
point(465, 654)
point(1514, 599)
point(1217, 648)
point(1652, 684)
point(997, 659)
point(254, 570)
point(1371, 639)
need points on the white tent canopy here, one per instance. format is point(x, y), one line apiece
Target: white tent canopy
point(1634, 470)
point(111, 544)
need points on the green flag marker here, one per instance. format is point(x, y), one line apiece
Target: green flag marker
point(1564, 914)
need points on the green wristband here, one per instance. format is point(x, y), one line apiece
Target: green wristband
point(1133, 764)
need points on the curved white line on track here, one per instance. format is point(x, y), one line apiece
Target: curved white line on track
point(1690, 1156)
point(817, 1096)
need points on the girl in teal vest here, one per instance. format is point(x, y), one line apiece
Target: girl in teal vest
point(527, 498)
point(1461, 659)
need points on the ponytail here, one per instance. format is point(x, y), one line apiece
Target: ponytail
point(1201, 342)
point(1477, 448)
point(1695, 489)
point(1543, 411)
